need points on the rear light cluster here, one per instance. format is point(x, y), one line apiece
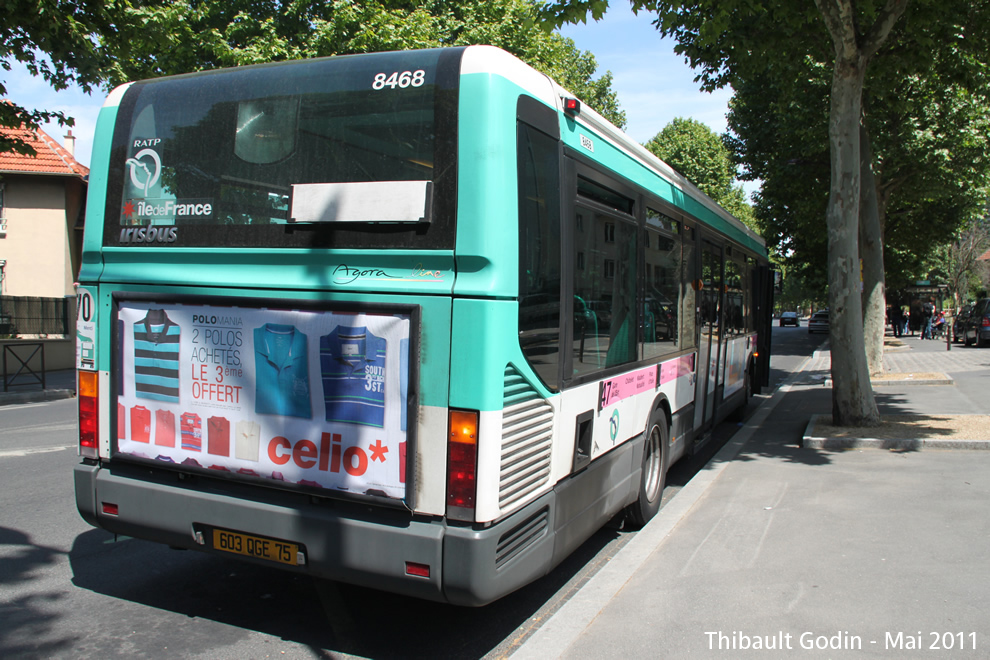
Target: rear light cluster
point(462, 458)
point(89, 416)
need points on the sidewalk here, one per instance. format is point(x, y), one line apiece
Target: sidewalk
point(777, 550)
point(26, 389)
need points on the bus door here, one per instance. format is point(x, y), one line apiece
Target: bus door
point(710, 341)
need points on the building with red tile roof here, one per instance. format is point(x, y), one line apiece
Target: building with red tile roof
point(50, 158)
point(42, 203)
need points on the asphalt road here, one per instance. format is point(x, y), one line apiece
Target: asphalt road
point(69, 590)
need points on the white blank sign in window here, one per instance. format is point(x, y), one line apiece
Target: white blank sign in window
point(373, 201)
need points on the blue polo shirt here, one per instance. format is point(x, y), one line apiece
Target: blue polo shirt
point(352, 362)
point(281, 371)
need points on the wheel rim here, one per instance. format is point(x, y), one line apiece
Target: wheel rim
point(652, 464)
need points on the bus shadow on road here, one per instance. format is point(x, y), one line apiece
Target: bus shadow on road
point(323, 616)
point(28, 615)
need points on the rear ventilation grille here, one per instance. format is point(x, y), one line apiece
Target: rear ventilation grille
point(527, 436)
point(521, 537)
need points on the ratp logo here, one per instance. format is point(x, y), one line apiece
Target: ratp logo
point(145, 174)
point(613, 425)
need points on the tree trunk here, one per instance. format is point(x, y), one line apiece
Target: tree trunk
point(852, 394)
point(871, 253)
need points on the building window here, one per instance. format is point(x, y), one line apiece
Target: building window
point(610, 232)
point(3, 220)
point(609, 268)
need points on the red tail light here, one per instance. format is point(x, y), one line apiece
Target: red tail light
point(462, 458)
point(418, 570)
point(89, 416)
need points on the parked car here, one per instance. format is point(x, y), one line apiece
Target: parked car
point(818, 321)
point(959, 323)
point(789, 318)
point(976, 327)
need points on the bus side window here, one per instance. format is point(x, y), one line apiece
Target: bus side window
point(690, 286)
point(539, 253)
point(662, 283)
point(606, 247)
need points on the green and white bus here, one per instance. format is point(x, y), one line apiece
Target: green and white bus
point(415, 320)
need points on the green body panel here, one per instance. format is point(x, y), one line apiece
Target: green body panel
point(351, 271)
point(487, 245)
point(625, 166)
point(484, 339)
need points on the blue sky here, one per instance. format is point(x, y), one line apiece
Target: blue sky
point(653, 84)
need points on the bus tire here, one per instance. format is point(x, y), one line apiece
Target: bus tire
point(653, 474)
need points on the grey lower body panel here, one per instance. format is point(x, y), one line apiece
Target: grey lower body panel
point(340, 543)
point(367, 546)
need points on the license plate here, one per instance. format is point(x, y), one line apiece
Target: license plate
point(259, 547)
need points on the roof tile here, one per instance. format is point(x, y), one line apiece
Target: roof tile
point(51, 158)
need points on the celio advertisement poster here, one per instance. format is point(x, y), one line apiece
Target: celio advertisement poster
point(313, 398)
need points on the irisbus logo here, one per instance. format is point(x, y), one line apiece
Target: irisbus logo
point(149, 234)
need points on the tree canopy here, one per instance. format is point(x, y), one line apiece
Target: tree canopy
point(931, 139)
point(56, 40)
point(697, 152)
point(100, 42)
point(164, 37)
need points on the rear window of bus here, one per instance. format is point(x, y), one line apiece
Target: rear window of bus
point(224, 158)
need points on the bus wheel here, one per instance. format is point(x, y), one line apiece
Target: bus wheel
point(654, 472)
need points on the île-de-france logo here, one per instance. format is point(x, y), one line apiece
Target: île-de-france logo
point(145, 167)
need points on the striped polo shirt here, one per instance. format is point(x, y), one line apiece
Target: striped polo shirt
point(192, 431)
point(156, 357)
point(352, 363)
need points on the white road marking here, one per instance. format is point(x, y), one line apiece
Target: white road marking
point(32, 450)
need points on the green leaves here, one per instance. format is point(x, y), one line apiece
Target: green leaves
point(699, 154)
point(163, 37)
point(56, 39)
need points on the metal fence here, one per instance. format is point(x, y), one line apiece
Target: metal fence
point(23, 315)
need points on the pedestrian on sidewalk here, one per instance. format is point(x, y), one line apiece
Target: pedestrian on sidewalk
point(927, 313)
point(897, 320)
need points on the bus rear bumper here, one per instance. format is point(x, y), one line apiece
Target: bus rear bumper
point(347, 543)
point(343, 543)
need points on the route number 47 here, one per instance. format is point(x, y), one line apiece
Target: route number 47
point(401, 80)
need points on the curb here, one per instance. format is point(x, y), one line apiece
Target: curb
point(907, 381)
point(567, 624)
point(904, 444)
point(942, 379)
point(11, 398)
point(945, 380)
